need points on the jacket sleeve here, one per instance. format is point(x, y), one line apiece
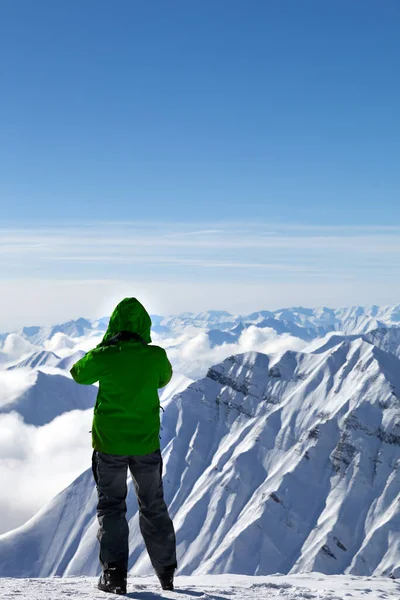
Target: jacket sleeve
point(165, 370)
point(88, 369)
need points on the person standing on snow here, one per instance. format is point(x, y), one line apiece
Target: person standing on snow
point(125, 434)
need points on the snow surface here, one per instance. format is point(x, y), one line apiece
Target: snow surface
point(211, 587)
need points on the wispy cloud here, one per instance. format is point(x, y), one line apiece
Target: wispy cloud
point(244, 237)
point(190, 233)
point(261, 264)
point(187, 262)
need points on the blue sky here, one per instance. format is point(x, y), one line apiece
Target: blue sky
point(202, 116)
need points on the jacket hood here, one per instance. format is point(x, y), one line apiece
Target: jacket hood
point(129, 315)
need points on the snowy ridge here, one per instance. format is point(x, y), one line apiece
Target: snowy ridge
point(305, 323)
point(387, 339)
point(295, 456)
point(68, 362)
point(37, 335)
point(37, 359)
point(44, 396)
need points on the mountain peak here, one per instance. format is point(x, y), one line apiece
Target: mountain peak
point(241, 372)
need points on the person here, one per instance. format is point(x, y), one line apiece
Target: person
point(125, 435)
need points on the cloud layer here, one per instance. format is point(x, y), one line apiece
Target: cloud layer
point(38, 462)
point(194, 355)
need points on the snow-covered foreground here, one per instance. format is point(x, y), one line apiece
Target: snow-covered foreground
point(212, 587)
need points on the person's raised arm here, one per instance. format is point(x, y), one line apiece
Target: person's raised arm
point(87, 370)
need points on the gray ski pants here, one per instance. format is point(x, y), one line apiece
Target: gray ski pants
point(110, 474)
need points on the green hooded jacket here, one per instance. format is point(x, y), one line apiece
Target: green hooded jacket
point(126, 417)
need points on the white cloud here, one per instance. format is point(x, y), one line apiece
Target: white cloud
point(60, 344)
point(14, 383)
point(169, 242)
point(63, 345)
point(37, 463)
point(193, 356)
point(16, 346)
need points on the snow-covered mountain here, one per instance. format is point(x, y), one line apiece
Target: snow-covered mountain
point(354, 319)
point(387, 339)
point(37, 359)
point(75, 328)
point(211, 319)
point(305, 323)
point(42, 396)
point(68, 362)
point(296, 457)
point(217, 337)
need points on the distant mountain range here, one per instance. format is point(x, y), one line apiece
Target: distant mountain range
point(304, 323)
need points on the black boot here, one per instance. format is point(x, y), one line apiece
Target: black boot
point(167, 579)
point(113, 580)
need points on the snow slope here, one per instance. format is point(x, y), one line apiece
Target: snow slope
point(68, 362)
point(39, 397)
point(387, 339)
point(212, 587)
point(295, 457)
point(177, 384)
point(37, 359)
